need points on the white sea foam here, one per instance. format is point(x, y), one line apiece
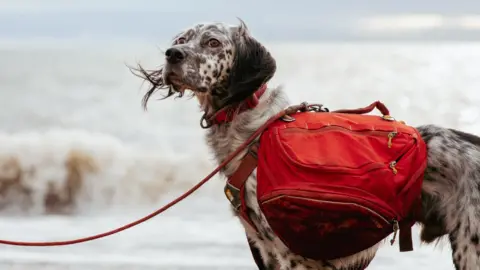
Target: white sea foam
point(60, 170)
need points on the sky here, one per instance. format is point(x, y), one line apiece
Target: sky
point(270, 19)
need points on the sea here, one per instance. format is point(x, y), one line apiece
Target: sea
point(80, 156)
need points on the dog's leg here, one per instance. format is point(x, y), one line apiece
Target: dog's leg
point(464, 240)
point(465, 235)
point(290, 261)
point(267, 256)
point(451, 210)
point(464, 250)
point(262, 240)
point(257, 256)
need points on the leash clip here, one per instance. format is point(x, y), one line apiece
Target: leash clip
point(317, 108)
point(205, 123)
point(304, 106)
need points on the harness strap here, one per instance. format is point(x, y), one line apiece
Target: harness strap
point(405, 235)
point(234, 188)
point(405, 242)
point(235, 193)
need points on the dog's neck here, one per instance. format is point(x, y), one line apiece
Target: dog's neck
point(225, 138)
point(227, 115)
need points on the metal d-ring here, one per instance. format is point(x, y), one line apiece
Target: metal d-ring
point(205, 123)
point(317, 108)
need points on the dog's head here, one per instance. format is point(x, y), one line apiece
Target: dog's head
point(222, 65)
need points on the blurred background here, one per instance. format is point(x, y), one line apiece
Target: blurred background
point(78, 155)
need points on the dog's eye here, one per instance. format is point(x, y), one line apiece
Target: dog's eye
point(213, 43)
point(181, 40)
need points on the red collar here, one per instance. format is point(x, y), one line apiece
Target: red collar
point(227, 115)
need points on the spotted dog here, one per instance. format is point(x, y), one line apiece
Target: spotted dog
point(224, 65)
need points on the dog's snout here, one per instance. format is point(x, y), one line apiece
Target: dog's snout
point(174, 55)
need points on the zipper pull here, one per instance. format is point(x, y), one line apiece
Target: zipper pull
point(391, 135)
point(392, 166)
point(396, 227)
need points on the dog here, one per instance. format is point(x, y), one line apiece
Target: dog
point(223, 65)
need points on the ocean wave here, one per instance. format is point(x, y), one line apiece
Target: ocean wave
point(66, 171)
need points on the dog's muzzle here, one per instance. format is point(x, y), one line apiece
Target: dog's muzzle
point(174, 55)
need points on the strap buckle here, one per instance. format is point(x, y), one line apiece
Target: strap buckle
point(233, 195)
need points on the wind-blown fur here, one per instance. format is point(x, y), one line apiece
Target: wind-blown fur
point(223, 65)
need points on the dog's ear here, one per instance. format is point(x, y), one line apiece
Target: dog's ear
point(252, 66)
point(242, 29)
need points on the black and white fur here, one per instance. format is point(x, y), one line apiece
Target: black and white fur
point(223, 65)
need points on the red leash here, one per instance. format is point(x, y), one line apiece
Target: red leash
point(289, 110)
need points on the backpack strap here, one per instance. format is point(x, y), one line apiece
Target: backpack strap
point(405, 236)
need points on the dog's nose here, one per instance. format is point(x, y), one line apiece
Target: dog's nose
point(174, 55)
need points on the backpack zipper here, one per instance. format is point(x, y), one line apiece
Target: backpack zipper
point(392, 166)
point(390, 134)
point(396, 228)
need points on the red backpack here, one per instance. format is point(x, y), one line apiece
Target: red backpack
point(332, 184)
